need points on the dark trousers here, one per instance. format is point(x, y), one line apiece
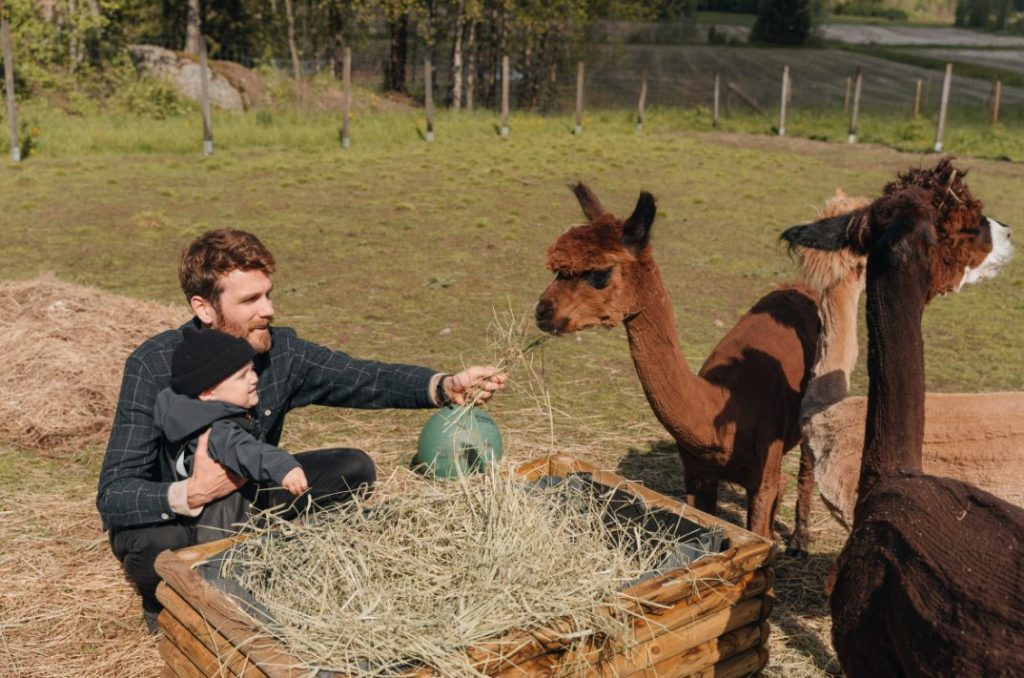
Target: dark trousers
point(333, 475)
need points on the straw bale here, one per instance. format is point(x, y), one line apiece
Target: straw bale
point(62, 353)
point(378, 587)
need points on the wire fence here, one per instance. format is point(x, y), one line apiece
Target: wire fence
point(677, 76)
point(682, 77)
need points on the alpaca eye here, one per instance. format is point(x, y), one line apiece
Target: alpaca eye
point(599, 279)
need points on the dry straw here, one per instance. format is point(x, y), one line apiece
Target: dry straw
point(378, 588)
point(62, 353)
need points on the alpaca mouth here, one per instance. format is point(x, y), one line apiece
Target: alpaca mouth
point(552, 328)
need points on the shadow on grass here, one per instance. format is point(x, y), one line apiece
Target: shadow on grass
point(801, 611)
point(659, 467)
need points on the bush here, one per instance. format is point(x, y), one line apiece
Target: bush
point(20, 85)
point(150, 98)
point(783, 22)
point(870, 8)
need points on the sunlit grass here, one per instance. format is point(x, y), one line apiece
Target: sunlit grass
point(968, 130)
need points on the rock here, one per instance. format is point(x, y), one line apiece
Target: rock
point(232, 87)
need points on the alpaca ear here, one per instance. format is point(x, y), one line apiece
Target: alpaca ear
point(908, 214)
point(592, 208)
point(636, 230)
point(826, 234)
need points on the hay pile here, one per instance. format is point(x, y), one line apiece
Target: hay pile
point(62, 353)
point(373, 590)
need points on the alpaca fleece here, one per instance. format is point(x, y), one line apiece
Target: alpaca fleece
point(907, 595)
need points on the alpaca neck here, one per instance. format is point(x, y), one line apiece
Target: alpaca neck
point(683, 402)
point(837, 345)
point(894, 434)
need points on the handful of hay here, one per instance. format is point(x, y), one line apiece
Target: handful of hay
point(385, 588)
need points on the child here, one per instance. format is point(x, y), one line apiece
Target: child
point(213, 391)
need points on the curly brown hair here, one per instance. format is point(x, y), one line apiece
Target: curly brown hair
point(216, 253)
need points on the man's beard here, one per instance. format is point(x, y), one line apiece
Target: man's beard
point(260, 341)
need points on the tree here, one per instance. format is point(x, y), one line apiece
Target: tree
point(292, 49)
point(193, 28)
point(783, 22)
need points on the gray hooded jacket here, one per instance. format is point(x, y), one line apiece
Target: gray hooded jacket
point(182, 419)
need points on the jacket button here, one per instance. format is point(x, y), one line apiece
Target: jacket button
point(165, 516)
point(266, 413)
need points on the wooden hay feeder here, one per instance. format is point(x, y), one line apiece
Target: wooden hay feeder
point(706, 619)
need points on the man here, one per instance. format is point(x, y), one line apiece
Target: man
point(226, 278)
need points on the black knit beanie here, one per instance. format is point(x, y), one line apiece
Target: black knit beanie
point(206, 357)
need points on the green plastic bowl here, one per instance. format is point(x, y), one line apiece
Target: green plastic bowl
point(455, 442)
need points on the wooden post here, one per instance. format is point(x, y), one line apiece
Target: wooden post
point(942, 107)
point(714, 110)
point(504, 96)
point(428, 96)
point(846, 99)
point(204, 94)
point(856, 107)
point(643, 100)
point(785, 99)
point(12, 112)
point(579, 98)
point(917, 99)
point(995, 102)
point(346, 96)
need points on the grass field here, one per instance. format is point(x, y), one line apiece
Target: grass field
point(402, 250)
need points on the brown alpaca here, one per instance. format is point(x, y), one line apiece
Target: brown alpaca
point(974, 437)
point(735, 418)
point(931, 580)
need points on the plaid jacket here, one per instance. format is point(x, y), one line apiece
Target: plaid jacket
point(135, 478)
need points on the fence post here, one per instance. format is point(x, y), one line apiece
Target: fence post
point(346, 95)
point(579, 99)
point(504, 96)
point(846, 98)
point(204, 93)
point(917, 99)
point(714, 111)
point(428, 95)
point(856, 107)
point(942, 107)
point(12, 112)
point(995, 102)
point(643, 100)
point(785, 98)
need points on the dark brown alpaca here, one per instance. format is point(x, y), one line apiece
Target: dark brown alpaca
point(931, 581)
point(735, 418)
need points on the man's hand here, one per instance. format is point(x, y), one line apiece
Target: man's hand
point(295, 481)
point(209, 479)
point(476, 384)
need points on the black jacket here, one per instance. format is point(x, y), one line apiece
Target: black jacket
point(135, 477)
point(232, 441)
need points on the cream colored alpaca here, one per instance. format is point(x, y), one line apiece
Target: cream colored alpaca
point(974, 437)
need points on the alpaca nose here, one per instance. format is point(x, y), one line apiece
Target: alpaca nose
point(544, 312)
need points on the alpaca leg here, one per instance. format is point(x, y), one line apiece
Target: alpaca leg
point(701, 492)
point(763, 502)
point(801, 537)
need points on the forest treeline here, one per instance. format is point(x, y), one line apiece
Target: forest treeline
point(471, 35)
point(465, 39)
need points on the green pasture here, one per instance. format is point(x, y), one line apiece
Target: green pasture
point(401, 250)
point(53, 134)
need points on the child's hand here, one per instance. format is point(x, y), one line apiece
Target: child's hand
point(295, 481)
